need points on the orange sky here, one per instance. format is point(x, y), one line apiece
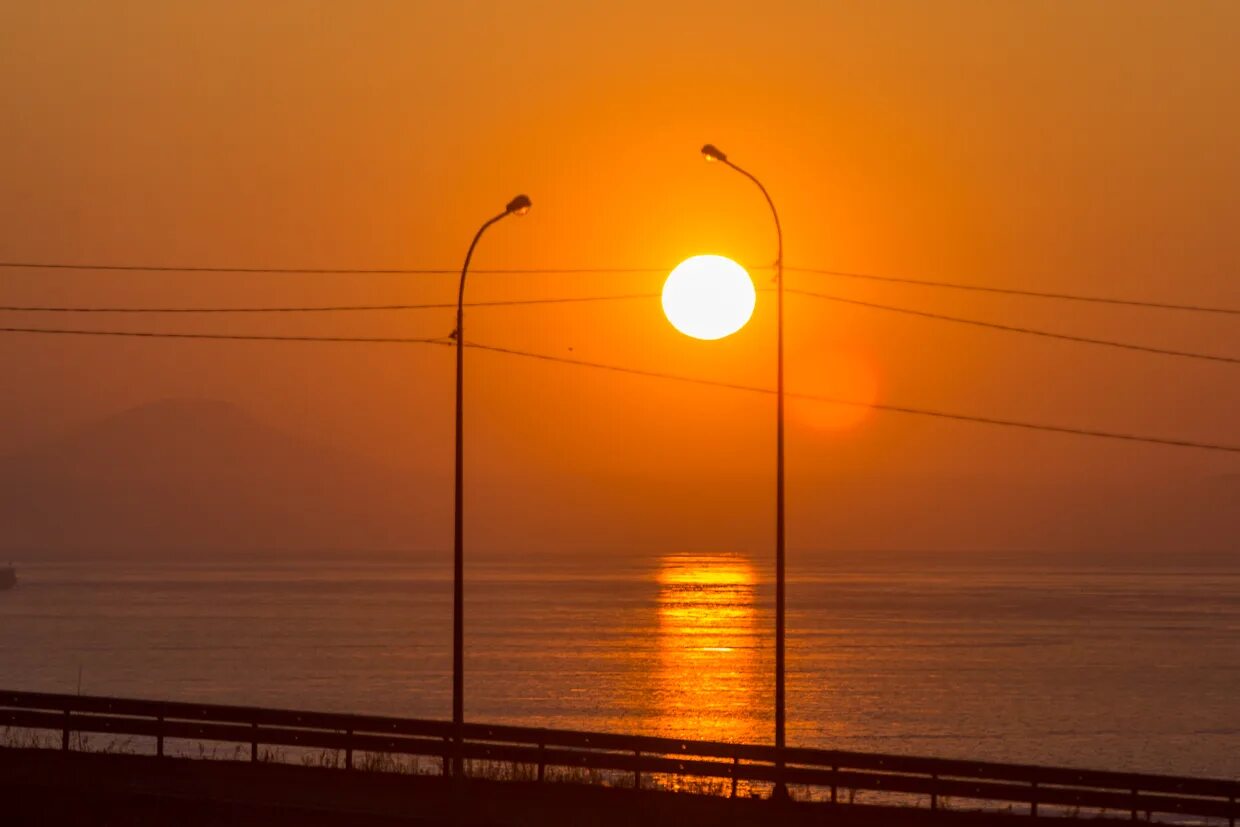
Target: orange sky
point(1082, 147)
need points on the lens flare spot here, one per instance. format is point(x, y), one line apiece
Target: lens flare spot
point(841, 375)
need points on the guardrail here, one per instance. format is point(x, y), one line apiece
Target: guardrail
point(825, 770)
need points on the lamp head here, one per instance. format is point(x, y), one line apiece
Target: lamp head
point(711, 153)
point(519, 205)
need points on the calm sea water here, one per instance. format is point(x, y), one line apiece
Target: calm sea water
point(1111, 663)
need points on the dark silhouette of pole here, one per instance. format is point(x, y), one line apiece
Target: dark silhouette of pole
point(517, 206)
point(712, 153)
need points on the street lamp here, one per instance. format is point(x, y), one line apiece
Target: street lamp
point(517, 206)
point(712, 153)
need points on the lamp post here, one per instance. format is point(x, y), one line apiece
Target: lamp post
point(517, 206)
point(711, 153)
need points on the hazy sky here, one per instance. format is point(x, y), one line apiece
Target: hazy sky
point(1086, 147)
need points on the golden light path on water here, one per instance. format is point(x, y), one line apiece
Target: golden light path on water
point(706, 678)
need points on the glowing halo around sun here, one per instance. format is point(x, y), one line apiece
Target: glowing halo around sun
point(708, 297)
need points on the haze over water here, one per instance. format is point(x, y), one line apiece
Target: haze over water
point(1111, 662)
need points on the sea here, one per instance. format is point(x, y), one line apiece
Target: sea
point(1123, 662)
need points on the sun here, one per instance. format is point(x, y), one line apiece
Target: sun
point(708, 297)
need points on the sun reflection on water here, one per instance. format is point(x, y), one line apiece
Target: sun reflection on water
point(706, 676)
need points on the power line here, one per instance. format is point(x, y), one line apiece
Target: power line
point(621, 297)
point(546, 357)
point(1032, 331)
point(320, 308)
point(145, 268)
point(985, 420)
point(1018, 292)
point(240, 337)
point(328, 271)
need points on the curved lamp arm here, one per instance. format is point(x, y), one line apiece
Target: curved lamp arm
point(712, 153)
point(517, 206)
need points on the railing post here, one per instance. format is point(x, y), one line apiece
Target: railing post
point(1135, 794)
point(254, 743)
point(1231, 814)
point(835, 772)
point(1033, 801)
point(64, 735)
point(159, 736)
point(736, 766)
point(637, 773)
point(348, 751)
point(446, 758)
point(934, 792)
point(542, 762)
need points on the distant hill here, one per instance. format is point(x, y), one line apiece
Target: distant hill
point(187, 476)
point(191, 474)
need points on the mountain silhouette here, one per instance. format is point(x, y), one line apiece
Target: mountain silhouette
point(192, 474)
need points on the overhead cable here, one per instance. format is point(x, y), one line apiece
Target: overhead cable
point(442, 341)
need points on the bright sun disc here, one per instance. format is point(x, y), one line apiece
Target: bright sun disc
point(708, 297)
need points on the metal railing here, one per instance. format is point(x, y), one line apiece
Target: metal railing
point(827, 771)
